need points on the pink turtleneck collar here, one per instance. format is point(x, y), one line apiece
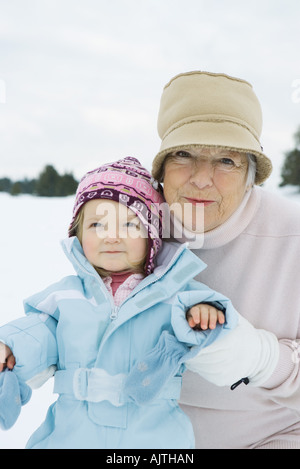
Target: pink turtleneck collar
point(117, 278)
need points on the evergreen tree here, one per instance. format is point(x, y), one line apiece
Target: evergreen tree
point(16, 188)
point(5, 185)
point(27, 186)
point(66, 185)
point(47, 182)
point(291, 168)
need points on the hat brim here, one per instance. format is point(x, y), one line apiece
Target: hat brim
point(217, 134)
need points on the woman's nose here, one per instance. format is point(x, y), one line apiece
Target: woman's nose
point(202, 175)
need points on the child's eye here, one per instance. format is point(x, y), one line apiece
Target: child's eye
point(131, 224)
point(97, 225)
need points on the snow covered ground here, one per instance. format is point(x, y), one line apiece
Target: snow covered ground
point(31, 258)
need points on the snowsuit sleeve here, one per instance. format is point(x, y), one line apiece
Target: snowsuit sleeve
point(196, 293)
point(32, 340)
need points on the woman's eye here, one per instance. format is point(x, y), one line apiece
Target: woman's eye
point(227, 162)
point(97, 225)
point(183, 154)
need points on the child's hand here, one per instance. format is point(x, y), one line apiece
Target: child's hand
point(7, 360)
point(203, 316)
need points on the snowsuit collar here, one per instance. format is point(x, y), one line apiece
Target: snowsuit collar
point(173, 255)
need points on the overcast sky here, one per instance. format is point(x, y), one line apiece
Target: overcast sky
point(81, 80)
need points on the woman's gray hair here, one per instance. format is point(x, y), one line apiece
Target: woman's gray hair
point(251, 170)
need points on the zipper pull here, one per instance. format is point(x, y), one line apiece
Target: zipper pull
point(243, 380)
point(114, 313)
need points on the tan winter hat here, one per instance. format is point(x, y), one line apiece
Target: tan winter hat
point(202, 109)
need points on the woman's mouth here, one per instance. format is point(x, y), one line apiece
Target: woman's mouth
point(205, 202)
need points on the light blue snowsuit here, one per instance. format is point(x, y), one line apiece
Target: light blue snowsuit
point(75, 325)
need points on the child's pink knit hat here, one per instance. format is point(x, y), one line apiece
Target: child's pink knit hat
point(126, 181)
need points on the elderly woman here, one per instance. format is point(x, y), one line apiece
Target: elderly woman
point(211, 157)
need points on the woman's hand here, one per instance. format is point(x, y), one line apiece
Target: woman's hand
point(7, 360)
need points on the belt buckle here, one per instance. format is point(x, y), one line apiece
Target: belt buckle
point(80, 384)
point(96, 385)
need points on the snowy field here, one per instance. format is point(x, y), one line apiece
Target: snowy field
point(31, 259)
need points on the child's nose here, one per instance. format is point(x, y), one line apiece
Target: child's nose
point(112, 238)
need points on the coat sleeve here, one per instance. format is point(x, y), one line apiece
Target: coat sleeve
point(32, 340)
point(196, 293)
point(284, 384)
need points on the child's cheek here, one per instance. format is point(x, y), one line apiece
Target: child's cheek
point(89, 246)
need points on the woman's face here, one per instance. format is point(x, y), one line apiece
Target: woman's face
point(211, 179)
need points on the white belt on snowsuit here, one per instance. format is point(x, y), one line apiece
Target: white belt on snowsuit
point(96, 385)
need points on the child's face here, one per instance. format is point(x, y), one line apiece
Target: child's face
point(113, 237)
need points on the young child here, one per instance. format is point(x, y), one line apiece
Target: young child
point(116, 332)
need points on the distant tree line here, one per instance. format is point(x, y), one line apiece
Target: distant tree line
point(290, 173)
point(48, 184)
point(51, 184)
